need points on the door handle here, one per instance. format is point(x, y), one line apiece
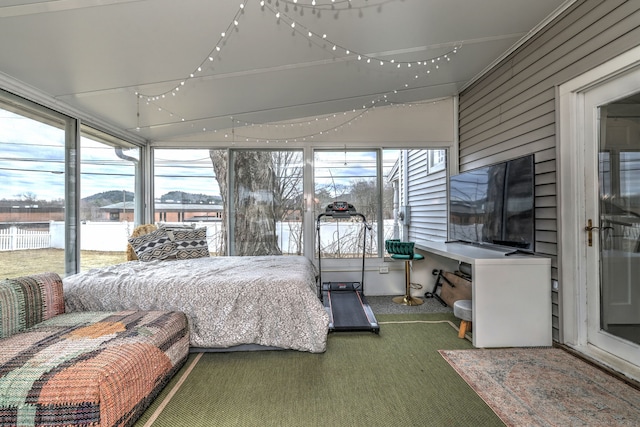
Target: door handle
point(589, 229)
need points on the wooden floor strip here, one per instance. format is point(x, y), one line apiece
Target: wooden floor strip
point(453, 325)
point(173, 391)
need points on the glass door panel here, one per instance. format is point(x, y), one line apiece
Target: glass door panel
point(619, 232)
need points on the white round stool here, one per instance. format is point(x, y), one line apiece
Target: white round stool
point(463, 310)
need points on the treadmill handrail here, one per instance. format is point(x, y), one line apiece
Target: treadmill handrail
point(343, 215)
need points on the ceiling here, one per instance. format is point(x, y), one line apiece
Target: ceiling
point(166, 69)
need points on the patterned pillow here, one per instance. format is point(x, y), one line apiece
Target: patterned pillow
point(191, 243)
point(171, 227)
point(154, 245)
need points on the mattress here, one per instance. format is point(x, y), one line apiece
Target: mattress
point(230, 301)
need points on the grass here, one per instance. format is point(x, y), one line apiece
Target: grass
point(32, 261)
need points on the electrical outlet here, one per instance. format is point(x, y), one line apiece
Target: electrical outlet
point(384, 269)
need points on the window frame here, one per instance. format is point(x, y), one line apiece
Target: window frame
point(50, 112)
point(74, 119)
point(436, 162)
point(69, 125)
point(380, 194)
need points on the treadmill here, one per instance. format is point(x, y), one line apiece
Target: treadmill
point(345, 301)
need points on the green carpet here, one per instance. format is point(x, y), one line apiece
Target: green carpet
point(363, 379)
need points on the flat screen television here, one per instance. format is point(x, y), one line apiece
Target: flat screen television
point(494, 205)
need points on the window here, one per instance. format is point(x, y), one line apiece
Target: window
point(391, 168)
point(266, 202)
point(109, 170)
point(389, 187)
point(347, 176)
point(187, 191)
point(629, 189)
point(33, 148)
point(264, 199)
point(619, 205)
point(252, 201)
point(437, 160)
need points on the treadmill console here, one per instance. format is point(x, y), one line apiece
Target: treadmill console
point(340, 209)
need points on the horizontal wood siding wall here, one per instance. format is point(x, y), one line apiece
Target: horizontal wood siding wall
point(510, 111)
point(427, 196)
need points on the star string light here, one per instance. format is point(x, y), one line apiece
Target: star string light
point(315, 3)
point(303, 137)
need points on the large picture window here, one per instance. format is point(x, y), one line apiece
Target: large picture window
point(109, 172)
point(266, 202)
point(187, 191)
point(250, 200)
point(352, 177)
point(32, 205)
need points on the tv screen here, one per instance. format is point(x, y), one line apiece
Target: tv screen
point(494, 205)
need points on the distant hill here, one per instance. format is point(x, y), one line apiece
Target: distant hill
point(118, 196)
point(182, 197)
point(108, 198)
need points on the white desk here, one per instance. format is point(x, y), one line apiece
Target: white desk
point(511, 294)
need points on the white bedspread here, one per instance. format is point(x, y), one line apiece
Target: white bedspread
point(229, 301)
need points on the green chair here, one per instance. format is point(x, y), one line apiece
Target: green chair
point(404, 251)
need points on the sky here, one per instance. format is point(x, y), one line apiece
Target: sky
point(28, 154)
point(32, 163)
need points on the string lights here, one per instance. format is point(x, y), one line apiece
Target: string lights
point(224, 36)
point(325, 42)
point(302, 137)
point(348, 119)
point(422, 67)
point(316, 4)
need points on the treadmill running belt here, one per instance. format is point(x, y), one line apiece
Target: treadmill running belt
point(348, 312)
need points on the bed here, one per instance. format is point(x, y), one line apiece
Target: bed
point(231, 302)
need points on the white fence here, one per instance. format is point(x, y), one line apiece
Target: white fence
point(13, 239)
point(94, 236)
point(112, 237)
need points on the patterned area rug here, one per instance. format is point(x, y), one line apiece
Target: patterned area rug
point(546, 387)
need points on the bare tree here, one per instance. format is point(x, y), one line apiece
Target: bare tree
point(255, 197)
point(28, 197)
point(219, 159)
point(290, 205)
point(288, 169)
point(364, 194)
